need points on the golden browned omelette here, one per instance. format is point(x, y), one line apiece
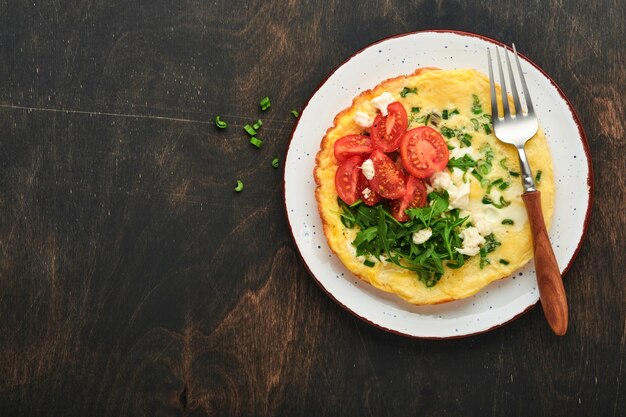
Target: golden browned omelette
point(416, 194)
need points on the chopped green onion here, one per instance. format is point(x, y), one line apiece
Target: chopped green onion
point(275, 162)
point(444, 115)
point(504, 262)
point(447, 132)
point(453, 112)
point(220, 123)
point(265, 103)
point(538, 177)
point(356, 203)
point(514, 174)
point(508, 221)
point(503, 163)
point(256, 142)
point(239, 186)
point(475, 123)
point(504, 186)
point(503, 202)
point(250, 130)
point(415, 109)
point(406, 91)
point(476, 107)
point(477, 176)
point(465, 139)
point(295, 113)
point(487, 129)
point(369, 263)
point(257, 125)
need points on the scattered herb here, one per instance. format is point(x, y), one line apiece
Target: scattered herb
point(250, 130)
point(508, 221)
point(487, 129)
point(265, 103)
point(220, 123)
point(295, 113)
point(475, 123)
point(444, 114)
point(239, 186)
point(504, 262)
point(369, 263)
point(275, 162)
point(538, 177)
point(257, 125)
point(504, 185)
point(503, 164)
point(256, 142)
point(514, 174)
point(415, 109)
point(407, 90)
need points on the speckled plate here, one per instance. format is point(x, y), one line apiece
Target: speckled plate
point(499, 302)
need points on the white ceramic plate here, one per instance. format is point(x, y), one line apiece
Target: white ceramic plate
point(501, 301)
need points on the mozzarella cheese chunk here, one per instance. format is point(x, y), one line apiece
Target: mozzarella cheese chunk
point(382, 101)
point(363, 119)
point(368, 169)
point(422, 236)
point(472, 240)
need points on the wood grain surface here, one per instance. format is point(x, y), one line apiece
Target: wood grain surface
point(135, 282)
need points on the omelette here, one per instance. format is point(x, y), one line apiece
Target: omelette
point(431, 212)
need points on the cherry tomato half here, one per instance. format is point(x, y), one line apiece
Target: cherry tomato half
point(388, 181)
point(352, 145)
point(415, 197)
point(347, 179)
point(370, 197)
point(424, 151)
point(387, 131)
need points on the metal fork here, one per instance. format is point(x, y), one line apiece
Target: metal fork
point(516, 128)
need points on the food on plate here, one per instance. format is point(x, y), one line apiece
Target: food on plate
point(416, 194)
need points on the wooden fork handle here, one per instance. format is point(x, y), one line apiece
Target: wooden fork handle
point(549, 280)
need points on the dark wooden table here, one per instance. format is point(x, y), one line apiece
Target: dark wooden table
point(135, 282)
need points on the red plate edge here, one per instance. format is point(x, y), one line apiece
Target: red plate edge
point(584, 143)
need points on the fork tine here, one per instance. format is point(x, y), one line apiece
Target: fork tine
point(529, 103)
point(505, 101)
point(516, 103)
point(492, 83)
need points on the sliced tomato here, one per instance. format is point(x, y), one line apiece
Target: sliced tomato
point(352, 145)
point(424, 151)
point(369, 197)
point(387, 131)
point(347, 179)
point(415, 197)
point(388, 181)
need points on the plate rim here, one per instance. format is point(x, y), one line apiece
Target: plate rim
point(585, 144)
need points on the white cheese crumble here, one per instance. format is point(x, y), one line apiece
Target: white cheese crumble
point(471, 242)
point(366, 192)
point(422, 236)
point(363, 119)
point(368, 169)
point(459, 196)
point(382, 101)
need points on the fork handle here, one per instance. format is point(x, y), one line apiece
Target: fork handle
point(549, 280)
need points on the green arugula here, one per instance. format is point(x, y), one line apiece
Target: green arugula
point(383, 237)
